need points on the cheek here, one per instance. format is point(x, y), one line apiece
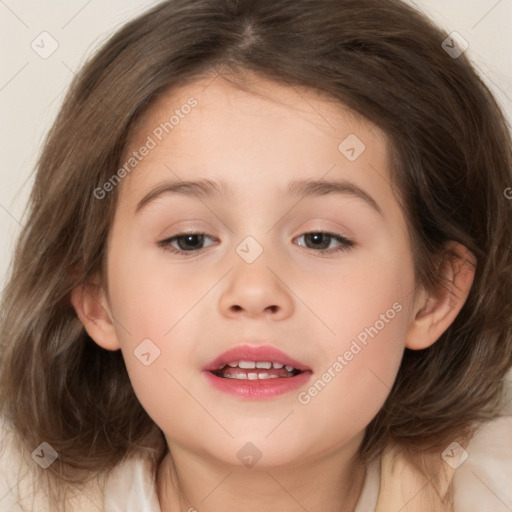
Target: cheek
point(367, 300)
point(356, 380)
point(154, 316)
point(149, 296)
point(367, 311)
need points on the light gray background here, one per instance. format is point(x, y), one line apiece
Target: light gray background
point(32, 88)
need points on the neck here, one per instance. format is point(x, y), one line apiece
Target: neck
point(188, 482)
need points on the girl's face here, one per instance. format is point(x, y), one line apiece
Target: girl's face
point(257, 277)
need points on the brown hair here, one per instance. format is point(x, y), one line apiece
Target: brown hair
point(452, 162)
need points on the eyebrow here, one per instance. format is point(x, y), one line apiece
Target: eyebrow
point(299, 188)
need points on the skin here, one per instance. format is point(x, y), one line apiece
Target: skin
point(309, 305)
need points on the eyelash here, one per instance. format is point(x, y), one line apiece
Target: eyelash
point(346, 244)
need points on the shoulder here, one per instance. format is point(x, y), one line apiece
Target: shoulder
point(476, 478)
point(483, 479)
point(131, 486)
point(15, 473)
point(21, 485)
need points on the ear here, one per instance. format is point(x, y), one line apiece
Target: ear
point(436, 311)
point(91, 306)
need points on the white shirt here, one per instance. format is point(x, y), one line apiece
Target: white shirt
point(483, 482)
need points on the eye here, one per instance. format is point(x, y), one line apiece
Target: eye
point(321, 240)
point(189, 244)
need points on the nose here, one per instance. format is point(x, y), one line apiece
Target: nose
point(256, 290)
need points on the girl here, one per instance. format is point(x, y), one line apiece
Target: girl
point(337, 337)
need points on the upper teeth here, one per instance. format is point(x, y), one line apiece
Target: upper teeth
point(248, 365)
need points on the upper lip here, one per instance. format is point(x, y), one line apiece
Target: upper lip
point(251, 353)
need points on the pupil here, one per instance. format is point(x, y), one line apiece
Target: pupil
point(188, 238)
point(317, 236)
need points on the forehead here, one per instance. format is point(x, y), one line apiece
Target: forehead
point(257, 95)
point(256, 132)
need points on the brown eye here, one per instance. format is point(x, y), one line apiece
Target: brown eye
point(321, 241)
point(188, 244)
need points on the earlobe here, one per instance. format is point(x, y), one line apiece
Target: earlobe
point(438, 310)
point(92, 309)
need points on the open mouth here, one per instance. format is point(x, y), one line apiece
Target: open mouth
point(255, 370)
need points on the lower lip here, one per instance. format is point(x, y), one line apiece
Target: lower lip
point(259, 389)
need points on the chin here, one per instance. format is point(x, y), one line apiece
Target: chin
point(259, 453)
